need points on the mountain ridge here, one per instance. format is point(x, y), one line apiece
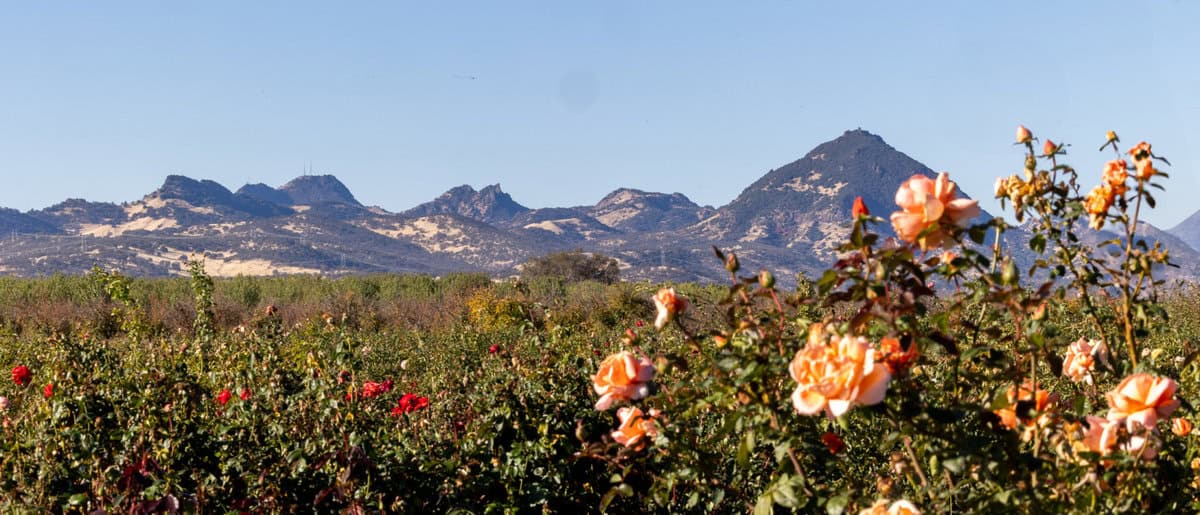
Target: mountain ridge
point(790, 219)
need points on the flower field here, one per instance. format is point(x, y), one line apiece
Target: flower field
point(930, 372)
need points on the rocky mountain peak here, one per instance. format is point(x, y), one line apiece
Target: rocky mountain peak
point(490, 204)
point(192, 191)
point(318, 189)
point(264, 193)
point(630, 209)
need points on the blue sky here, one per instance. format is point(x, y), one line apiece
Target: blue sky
point(562, 102)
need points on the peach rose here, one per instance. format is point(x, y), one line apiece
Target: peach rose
point(1049, 148)
point(1142, 398)
point(1101, 438)
point(622, 376)
point(833, 376)
point(1102, 435)
point(900, 507)
point(669, 304)
point(1080, 360)
point(635, 428)
point(1023, 134)
point(925, 203)
point(1044, 404)
point(1181, 426)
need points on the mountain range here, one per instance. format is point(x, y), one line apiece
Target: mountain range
point(789, 220)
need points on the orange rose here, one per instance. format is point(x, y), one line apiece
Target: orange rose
point(669, 304)
point(1140, 151)
point(1097, 203)
point(622, 376)
point(1079, 361)
point(832, 377)
point(927, 202)
point(1115, 175)
point(1181, 426)
point(1143, 398)
point(1044, 404)
point(635, 428)
point(1145, 169)
point(894, 357)
point(1023, 134)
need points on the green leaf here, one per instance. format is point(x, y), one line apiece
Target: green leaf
point(745, 448)
point(765, 505)
point(837, 505)
point(77, 499)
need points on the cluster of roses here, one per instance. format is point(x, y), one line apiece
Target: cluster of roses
point(1135, 405)
point(22, 376)
point(626, 377)
point(371, 389)
point(224, 396)
point(1116, 172)
point(409, 403)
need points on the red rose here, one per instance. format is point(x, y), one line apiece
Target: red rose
point(21, 375)
point(245, 395)
point(859, 209)
point(224, 396)
point(407, 403)
point(372, 389)
point(48, 391)
point(387, 385)
point(493, 349)
point(833, 442)
point(422, 402)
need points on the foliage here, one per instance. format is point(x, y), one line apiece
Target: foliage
point(573, 266)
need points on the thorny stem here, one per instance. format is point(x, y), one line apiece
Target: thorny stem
point(912, 456)
point(1126, 293)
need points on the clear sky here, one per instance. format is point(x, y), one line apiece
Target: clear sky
point(562, 102)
